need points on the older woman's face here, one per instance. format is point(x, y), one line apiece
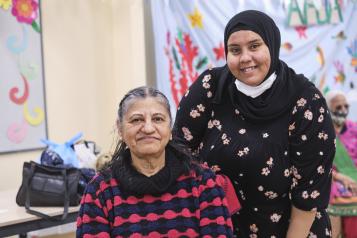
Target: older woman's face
point(146, 128)
point(248, 57)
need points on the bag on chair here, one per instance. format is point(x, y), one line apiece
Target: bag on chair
point(48, 186)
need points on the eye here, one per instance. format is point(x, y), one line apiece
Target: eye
point(158, 119)
point(234, 50)
point(136, 120)
point(254, 46)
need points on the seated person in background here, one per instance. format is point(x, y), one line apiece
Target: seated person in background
point(152, 187)
point(343, 201)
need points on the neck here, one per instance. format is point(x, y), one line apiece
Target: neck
point(148, 166)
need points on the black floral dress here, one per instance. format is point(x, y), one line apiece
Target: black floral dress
point(273, 165)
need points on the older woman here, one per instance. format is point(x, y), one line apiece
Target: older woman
point(267, 128)
point(152, 188)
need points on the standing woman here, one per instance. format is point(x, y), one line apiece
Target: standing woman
point(267, 128)
point(152, 188)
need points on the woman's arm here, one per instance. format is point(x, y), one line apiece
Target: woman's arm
point(215, 220)
point(312, 149)
point(92, 218)
point(300, 223)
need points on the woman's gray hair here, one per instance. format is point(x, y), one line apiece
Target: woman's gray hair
point(142, 93)
point(330, 95)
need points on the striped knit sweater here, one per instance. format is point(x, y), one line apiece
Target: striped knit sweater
point(193, 206)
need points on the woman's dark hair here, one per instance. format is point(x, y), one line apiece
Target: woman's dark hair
point(121, 150)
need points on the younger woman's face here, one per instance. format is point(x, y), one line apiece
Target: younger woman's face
point(248, 57)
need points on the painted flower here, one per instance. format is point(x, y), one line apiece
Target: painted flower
point(301, 102)
point(308, 115)
point(303, 137)
point(320, 170)
point(286, 173)
point(321, 118)
point(294, 110)
point(5, 4)
point(241, 131)
point(314, 194)
point(292, 126)
point(275, 217)
point(265, 135)
point(25, 10)
point(209, 94)
point(322, 110)
point(206, 85)
point(200, 108)
point(271, 194)
point(206, 78)
point(253, 228)
point(187, 133)
point(194, 114)
point(265, 171)
point(305, 195)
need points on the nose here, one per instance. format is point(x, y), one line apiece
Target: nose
point(245, 56)
point(148, 127)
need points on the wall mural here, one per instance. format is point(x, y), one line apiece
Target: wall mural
point(22, 95)
point(319, 39)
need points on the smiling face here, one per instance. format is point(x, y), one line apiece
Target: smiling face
point(146, 128)
point(248, 57)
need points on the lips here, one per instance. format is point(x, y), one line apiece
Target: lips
point(248, 69)
point(147, 138)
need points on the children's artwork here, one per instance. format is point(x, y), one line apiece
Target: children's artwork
point(22, 96)
point(318, 39)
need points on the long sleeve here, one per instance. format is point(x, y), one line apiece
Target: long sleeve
point(312, 149)
point(215, 219)
point(194, 111)
point(92, 219)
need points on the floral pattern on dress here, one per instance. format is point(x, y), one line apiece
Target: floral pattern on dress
point(291, 158)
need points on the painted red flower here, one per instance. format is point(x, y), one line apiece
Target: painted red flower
point(25, 10)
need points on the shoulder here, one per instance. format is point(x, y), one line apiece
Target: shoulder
point(310, 99)
point(201, 173)
point(208, 80)
point(101, 182)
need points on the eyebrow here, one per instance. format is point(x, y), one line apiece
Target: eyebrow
point(250, 42)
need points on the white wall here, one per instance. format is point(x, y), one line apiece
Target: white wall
point(94, 51)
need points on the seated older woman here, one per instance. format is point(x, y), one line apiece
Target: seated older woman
point(151, 187)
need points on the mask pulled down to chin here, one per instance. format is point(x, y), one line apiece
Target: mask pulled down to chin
point(339, 118)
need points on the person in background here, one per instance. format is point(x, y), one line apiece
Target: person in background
point(152, 187)
point(343, 202)
point(265, 127)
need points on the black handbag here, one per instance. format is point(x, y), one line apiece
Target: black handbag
point(48, 186)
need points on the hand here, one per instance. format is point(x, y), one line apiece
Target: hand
point(348, 182)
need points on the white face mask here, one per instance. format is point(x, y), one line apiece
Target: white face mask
point(255, 91)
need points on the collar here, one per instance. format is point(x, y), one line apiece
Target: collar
point(255, 91)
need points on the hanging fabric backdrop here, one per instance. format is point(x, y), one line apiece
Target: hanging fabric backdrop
point(22, 95)
point(319, 39)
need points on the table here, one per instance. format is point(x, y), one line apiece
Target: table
point(15, 220)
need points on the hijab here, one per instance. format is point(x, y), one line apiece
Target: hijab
point(288, 85)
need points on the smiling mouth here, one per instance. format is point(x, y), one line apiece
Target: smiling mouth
point(248, 69)
point(148, 138)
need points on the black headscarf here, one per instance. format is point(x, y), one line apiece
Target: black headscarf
point(288, 85)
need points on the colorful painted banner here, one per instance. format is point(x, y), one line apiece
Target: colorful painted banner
point(319, 39)
point(22, 96)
